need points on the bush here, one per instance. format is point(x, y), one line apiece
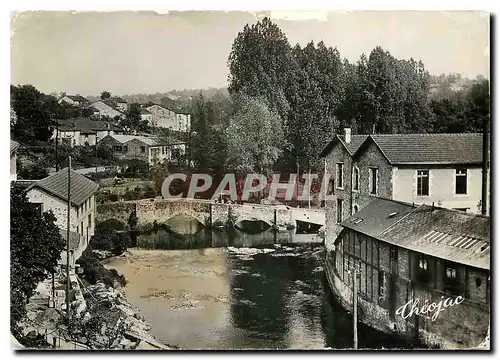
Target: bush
point(94, 271)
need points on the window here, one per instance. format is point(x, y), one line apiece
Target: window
point(90, 220)
point(355, 209)
point(143, 149)
point(163, 150)
point(355, 178)
point(423, 274)
point(381, 284)
point(373, 181)
point(86, 136)
point(340, 175)
point(125, 149)
point(451, 273)
point(393, 254)
point(85, 205)
point(461, 181)
point(117, 148)
point(422, 263)
point(81, 224)
point(339, 210)
point(423, 182)
point(451, 282)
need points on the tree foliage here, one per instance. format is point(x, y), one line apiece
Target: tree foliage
point(35, 248)
point(133, 120)
point(255, 136)
point(105, 95)
point(33, 114)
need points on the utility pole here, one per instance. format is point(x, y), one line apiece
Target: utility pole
point(57, 140)
point(67, 239)
point(298, 180)
point(325, 184)
point(309, 190)
point(96, 152)
point(355, 309)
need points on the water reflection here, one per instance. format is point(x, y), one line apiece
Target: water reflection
point(232, 290)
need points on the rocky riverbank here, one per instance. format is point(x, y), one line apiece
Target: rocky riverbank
point(101, 319)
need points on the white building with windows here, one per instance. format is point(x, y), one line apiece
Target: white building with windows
point(51, 193)
point(440, 169)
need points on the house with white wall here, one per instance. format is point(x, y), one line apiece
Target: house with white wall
point(14, 145)
point(83, 131)
point(151, 150)
point(169, 119)
point(440, 169)
point(51, 193)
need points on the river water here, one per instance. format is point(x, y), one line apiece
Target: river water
point(219, 290)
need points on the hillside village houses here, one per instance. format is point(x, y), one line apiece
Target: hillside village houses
point(51, 193)
point(75, 100)
point(440, 169)
point(148, 149)
point(14, 145)
point(169, 119)
point(83, 131)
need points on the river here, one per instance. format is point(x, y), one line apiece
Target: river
point(239, 291)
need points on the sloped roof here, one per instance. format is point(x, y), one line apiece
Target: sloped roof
point(57, 185)
point(374, 218)
point(86, 125)
point(107, 102)
point(429, 148)
point(151, 141)
point(77, 98)
point(13, 145)
point(448, 234)
point(352, 147)
point(117, 99)
point(402, 149)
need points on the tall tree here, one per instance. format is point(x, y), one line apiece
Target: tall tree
point(133, 120)
point(261, 65)
point(34, 116)
point(254, 137)
point(35, 248)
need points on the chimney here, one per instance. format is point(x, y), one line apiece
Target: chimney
point(347, 135)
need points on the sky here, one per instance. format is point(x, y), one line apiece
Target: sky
point(146, 52)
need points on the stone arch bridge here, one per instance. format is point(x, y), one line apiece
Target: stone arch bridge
point(208, 213)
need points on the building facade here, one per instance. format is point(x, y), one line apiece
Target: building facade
point(51, 193)
point(14, 145)
point(407, 254)
point(166, 118)
point(148, 149)
point(83, 131)
point(444, 169)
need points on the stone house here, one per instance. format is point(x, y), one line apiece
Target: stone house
point(75, 100)
point(14, 145)
point(444, 169)
point(169, 119)
point(148, 149)
point(404, 253)
point(83, 131)
point(51, 193)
